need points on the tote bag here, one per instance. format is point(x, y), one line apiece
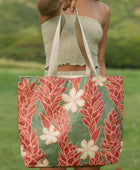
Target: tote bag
point(70, 121)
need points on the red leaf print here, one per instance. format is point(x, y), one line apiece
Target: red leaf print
point(116, 93)
point(97, 160)
point(45, 122)
point(62, 163)
point(96, 133)
point(55, 114)
point(27, 98)
point(75, 82)
point(66, 150)
point(77, 162)
point(62, 156)
point(71, 158)
point(77, 155)
point(26, 94)
point(85, 122)
point(61, 121)
point(93, 109)
point(112, 141)
point(49, 93)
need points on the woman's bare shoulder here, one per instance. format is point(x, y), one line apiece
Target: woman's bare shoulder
point(104, 8)
point(105, 11)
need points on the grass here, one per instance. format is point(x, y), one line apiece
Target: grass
point(18, 64)
point(9, 144)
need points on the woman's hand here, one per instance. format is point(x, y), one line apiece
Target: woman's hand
point(69, 4)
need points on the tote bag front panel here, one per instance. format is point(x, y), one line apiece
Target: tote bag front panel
point(66, 122)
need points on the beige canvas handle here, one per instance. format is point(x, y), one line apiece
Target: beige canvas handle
point(82, 42)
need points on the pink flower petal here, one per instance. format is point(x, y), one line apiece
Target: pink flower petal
point(84, 144)
point(45, 131)
point(79, 93)
point(53, 139)
point(91, 154)
point(100, 83)
point(80, 102)
point(94, 148)
point(74, 107)
point(81, 150)
point(84, 155)
point(90, 143)
point(43, 137)
point(72, 92)
point(56, 133)
point(94, 78)
point(66, 98)
point(48, 141)
point(51, 129)
point(67, 106)
point(45, 162)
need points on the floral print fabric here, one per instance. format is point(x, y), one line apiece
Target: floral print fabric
point(66, 122)
point(88, 149)
point(50, 136)
point(73, 100)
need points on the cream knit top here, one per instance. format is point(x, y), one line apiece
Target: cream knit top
point(69, 50)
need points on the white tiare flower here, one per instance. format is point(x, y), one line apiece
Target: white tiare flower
point(23, 154)
point(88, 149)
point(50, 136)
point(43, 163)
point(99, 80)
point(73, 99)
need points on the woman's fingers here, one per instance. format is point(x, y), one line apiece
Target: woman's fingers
point(73, 5)
point(66, 4)
point(69, 4)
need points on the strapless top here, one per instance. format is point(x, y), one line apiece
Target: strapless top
point(69, 52)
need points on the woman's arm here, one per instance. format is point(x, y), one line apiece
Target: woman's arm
point(102, 44)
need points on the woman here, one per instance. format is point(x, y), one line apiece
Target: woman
point(95, 17)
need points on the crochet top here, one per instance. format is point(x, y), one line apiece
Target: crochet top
point(69, 51)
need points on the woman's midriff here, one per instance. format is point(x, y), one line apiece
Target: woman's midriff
point(68, 67)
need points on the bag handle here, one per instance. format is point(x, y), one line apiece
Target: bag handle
point(82, 42)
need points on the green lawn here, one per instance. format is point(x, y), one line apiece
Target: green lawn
point(10, 157)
